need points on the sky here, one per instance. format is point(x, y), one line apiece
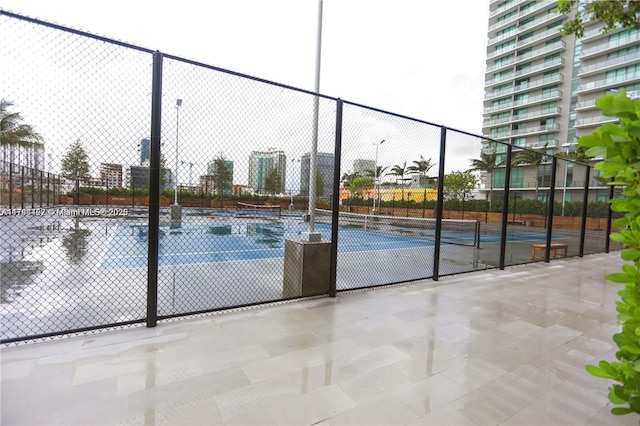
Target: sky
point(420, 58)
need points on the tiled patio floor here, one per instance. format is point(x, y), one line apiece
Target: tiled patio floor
point(493, 347)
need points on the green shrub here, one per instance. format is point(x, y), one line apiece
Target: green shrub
point(619, 145)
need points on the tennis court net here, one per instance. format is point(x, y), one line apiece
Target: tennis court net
point(453, 231)
point(258, 210)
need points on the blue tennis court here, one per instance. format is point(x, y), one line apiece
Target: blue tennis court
point(223, 243)
point(237, 241)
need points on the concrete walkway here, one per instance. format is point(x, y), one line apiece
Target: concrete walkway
point(492, 347)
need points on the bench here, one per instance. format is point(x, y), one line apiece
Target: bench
point(516, 222)
point(557, 250)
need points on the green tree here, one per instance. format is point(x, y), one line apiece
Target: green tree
point(399, 171)
point(533, 158)
point(222, 176)
point(359, 184)
point(75, 164)
point(579, 154)
point(272, 182)
point(486, 163)
point(619, 146)
point(420, 167)
point(376, 175)
point(319, 184)
point(458, 185)
point(613, 13)
point(14, 135)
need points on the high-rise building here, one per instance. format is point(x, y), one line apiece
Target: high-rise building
point(263, 165)
point(361, 167)
point(540, 86)
point(111, 175)
point(209, 180)
point(325, 163)
point(145, 152)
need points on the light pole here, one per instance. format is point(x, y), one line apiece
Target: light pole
point(311, 235)
point(175, 181)
point(293, 161)
point(376, 177)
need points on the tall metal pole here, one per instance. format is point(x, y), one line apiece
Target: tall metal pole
point(377, 177)
point(313, 167)
point(175, 184)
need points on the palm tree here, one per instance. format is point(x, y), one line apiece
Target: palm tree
point(399, 171)
point(13, 134)
point(420, 167)
point(376, 175)
point(532, 158)
point(486, 163)
point(579, 154)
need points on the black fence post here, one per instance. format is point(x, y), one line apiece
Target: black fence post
point(505, 208)
point(33, 188)
point(335, 201)
point(551, 201)
point(48, 187)
point(607, 244)
point(41, 179)
point(585, 203)
point(154, 191)
point(10, 186)
point(439, 204)
point(22, 187)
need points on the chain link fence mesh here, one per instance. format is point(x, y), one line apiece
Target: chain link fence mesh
point(235, 185)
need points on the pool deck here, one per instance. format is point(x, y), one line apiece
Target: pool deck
point(492, 347)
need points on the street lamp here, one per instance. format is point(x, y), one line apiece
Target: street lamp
point(175, 182)
point(376, 176)
point(293, 161)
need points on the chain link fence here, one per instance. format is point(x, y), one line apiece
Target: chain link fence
point(147, 186)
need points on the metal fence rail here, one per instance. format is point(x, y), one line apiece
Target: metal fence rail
point(166, 187)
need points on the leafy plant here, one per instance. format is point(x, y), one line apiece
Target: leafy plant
point(619, 144)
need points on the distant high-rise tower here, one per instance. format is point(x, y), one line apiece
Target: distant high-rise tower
point(262, 165)
point(212, 170)
point(360, 166)
point(145, 151)
point(325, 174)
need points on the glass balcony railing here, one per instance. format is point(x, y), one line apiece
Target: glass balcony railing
point(540, 67)
point(522, 117)
point(594, 121)
point(555, 94)
point(635, 36)
point(610, 82)
point(522, 14)
point(601, 66)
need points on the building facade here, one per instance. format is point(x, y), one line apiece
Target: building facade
point(263, 165)
point(540, 88)
point(111, 175)
point(212, 170)
point(361, 166)
point(325, 162)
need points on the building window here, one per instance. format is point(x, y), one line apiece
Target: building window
point(622, 74)
point(507, 45)
point(507, 16)
point(550, 90)
point(503, 75)
point(544, 175)
point(623, 52)
point(520, 141)
point(554, 25)
point(500, 102)
point(622, 37)
point(549, 59)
